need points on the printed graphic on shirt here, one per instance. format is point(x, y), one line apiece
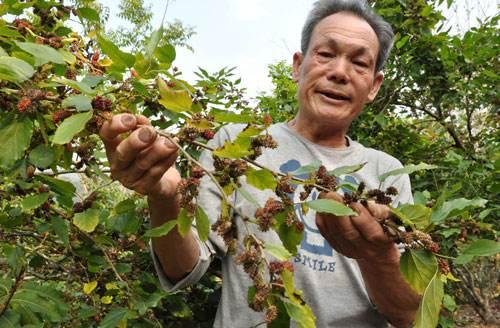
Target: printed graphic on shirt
point(314, 252)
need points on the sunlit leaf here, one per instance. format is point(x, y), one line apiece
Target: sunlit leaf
point(161, 230)
point(70, 127)
point(184, 222)
point(343, 170)
point(43, 54)
point(278, 251)
point(80, 102)
point(418, 268)
point(331, 206)
point(202, 223)
point(89, 287)
point(15, 136)
point(307, 169)
point(175, 100)
point(415, 215)
point(481, 247)
point(120, 58)
point(451, 207)
point(261, 179)
point(430, 306)
point(88, 13)
point(230, 117)
point(165, 54)
point(233, 150)
point(87, 221)
point(14, 69)
point(34, 201)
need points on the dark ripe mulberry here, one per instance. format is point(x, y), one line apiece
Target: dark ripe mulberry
point(197, 172)
point(433, 247)
point(361, 188)
point(284, 186)
point(267, 119)
point(78, 207)
point(102, 104)
point(324, 179)
point(35, 94)
point(391, 191)
point(24, 104)
point(444, 267)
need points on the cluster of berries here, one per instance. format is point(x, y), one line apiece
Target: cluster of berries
point(188, 191)
point(265, 215)
point(53, 41)
point(30, 99)
point(102, 112)
point(86, 204)
point(319, 178)
point(259, 142)
point(22, 25)
point(227, 170)
point(227, 229)
point(419, 240)
point(188, 134)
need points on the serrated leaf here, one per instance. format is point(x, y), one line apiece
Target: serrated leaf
point(278, 251)
point(42, 156)
point(331, 206)
point(184, 222)
point(34, 201)
point(261, 179)
point(202, 223)
point(161, 230)
point(87, 221)
point(175, 100)
point(89, 287)
point(418, 268)
point(70, 127)
point(113, 318)
point(306, 169)
point(408, 169)
point(80, 102)
point(120, 59)
point(14, 69)
point(343, 170)
point(15, 136)
point(451, 207)
point(430, 306)
point(43, 54)
point(481, 247)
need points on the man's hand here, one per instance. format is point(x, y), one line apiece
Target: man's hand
point(360, 237)
point(143, 160)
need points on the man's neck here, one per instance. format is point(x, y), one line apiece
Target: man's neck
point(323, 135)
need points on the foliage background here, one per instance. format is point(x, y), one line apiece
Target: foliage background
point(439, 104)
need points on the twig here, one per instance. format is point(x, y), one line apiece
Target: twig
point(15, 286)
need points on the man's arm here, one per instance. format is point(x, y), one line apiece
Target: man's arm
point(143, 162)
point(363, 238)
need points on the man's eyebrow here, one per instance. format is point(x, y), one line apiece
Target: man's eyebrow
point(358, 51)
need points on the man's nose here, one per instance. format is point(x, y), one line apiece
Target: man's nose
point(338, 70)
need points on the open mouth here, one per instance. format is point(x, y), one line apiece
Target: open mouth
point(334, 95)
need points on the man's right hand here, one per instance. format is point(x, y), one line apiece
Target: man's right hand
point(142, 161)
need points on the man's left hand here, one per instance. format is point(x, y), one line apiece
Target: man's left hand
point(359, 237)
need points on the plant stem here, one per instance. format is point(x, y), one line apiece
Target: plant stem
point(12, 291)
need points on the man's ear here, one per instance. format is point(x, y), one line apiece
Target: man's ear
point(297, 61)
point(377, 83)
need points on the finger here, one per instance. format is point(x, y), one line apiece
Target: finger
point(111, 129)
point(378, 211)
point(331, 195)
point(127, 151)
point(150, 181)
point(367, 225)
point(162, 150)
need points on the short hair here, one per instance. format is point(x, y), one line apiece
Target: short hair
point(324, 8)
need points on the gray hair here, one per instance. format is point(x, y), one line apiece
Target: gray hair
point(360, 8)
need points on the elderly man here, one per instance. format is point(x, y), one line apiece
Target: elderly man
point(347, 267)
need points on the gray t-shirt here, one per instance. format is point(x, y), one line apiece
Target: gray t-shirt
point(332, 284)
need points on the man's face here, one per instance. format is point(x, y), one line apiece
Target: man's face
point(336, 77)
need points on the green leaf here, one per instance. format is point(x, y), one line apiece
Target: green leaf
point(43, 54)
point(408, 169)
point(481, 247)
point(298, 310)
point(14, 69)
point(10, 319)
point(230, 117)
point(34, 201)
point(64, 189)
point(248, 196)
point(184, 222)
point(3, 53)
point(88, 13)
point(87, 221)
point(120, 59)
point(202, 223)
point(71, 127)
point(113, 318)
point(414, 215)
point(283, 319)
point(161, 230)
point(343, 170)
point(452, 207)
point(165, 54)
point(77, 85)
point(278, 251)
point(42, 156)
point(400, 44)
point(10, 33)
point(233, 150)
point(15, 136)
point(430, 306)
point(331, 206)
point(290, 236)
point(82, 103)
point(418, 268)
point(175, 100)
point(15, 256)
point(153, 42)
point(261, 179)
point(306, 169)
point(61, 229)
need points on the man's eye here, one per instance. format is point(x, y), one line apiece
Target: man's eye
point(360, 63)
point(326, 54)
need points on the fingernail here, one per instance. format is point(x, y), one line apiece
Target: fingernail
point(127, 120)
point(145, 134)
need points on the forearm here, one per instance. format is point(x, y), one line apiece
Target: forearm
point(178, 255)
point(389, 291)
